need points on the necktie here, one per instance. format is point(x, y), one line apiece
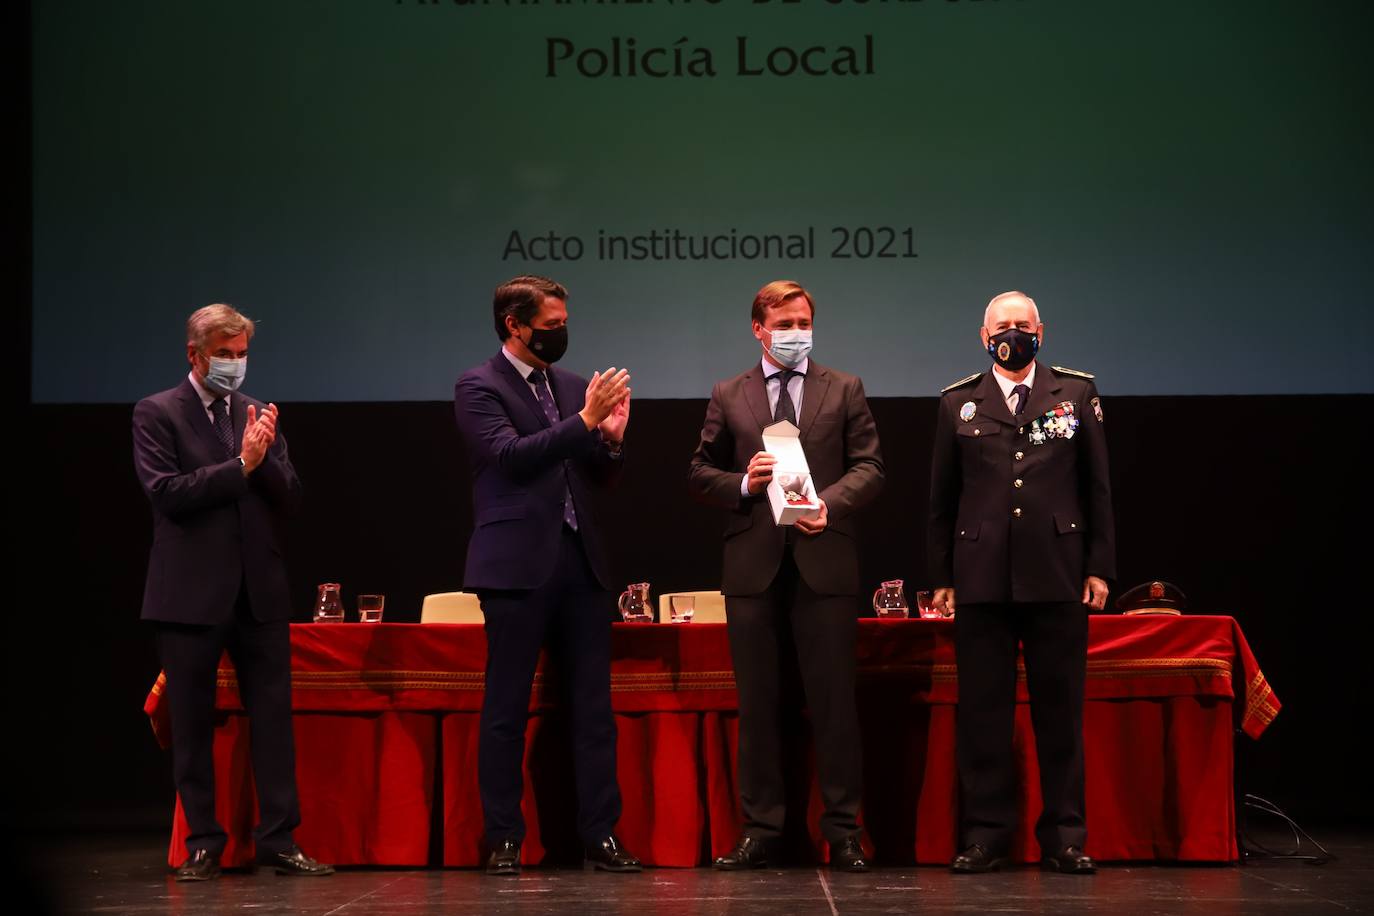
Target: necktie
point(1022, 393)
point(224, 429)
point(541, 394)
point(785, 409)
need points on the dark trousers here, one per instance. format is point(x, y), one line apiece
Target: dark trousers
point(261, 653)
point(824, 630)
point(571, 611)
point(1054, 640)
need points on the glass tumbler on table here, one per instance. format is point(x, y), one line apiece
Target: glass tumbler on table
point(370, 608)
point(682, 607)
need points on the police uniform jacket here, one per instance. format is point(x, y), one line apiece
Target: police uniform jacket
point(1020, 509)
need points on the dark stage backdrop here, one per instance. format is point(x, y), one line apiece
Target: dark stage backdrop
point(1252, 504)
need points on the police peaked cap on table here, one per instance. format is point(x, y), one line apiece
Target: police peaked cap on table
point(1155, 597)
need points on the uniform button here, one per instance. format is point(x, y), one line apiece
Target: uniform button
point(1020, 455)
point(1016, 512)
point(1017, 483)
point(1020, 430)
point(962, 533)
point(1073, 524)
point(977, 432)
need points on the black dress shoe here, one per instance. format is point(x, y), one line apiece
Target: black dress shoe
point(294, 862)
point(199, 866)
point(749, 852)
point(976, 860)
point(1070, 860)
point(504, 858)
point(609, 855)
point(848, 855)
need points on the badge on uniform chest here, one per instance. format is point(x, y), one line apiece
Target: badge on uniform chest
point(1059, 423)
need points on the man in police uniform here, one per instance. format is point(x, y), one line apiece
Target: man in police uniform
point(1021, 531)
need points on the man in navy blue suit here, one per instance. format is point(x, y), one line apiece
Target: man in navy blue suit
point(543, 443)
point(220, 482)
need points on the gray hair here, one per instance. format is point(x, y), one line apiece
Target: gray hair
point(1009, 294)
point(216, 319)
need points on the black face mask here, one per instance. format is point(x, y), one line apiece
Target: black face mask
point(1013, 349)
point(549, 344)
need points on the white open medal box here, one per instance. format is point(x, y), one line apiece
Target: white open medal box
point(791, 493)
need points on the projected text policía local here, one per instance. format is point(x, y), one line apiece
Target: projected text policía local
point(621, 57)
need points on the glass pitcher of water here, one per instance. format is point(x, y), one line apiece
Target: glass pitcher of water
point(328, 604)
point(634, 604)
point(890, 600)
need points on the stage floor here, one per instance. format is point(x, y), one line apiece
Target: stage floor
point(125, 874)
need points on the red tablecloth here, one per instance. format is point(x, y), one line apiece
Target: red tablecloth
point(386, 739)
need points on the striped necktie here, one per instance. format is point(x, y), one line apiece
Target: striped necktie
point(541, 394)
point(224, 429)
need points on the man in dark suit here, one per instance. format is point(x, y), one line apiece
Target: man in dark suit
point(800, 579)
point(1021, 530)
point(217, 473)
point(543, 444)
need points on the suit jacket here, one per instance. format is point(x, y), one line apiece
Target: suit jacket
point(214, 529)
point(840, 440)
point(1010, 519)
point(519, 460)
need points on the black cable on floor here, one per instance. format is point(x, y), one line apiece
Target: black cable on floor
point(1252, 849)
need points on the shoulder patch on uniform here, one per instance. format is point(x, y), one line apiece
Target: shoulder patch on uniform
point(1063, 370)
point(961, 383)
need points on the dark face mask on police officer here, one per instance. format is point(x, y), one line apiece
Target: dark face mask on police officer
point(549, 344)
point(1013, 349)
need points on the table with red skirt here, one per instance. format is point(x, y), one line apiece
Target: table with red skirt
point(386, 728)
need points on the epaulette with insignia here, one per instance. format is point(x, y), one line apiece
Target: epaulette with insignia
point(1066, 371)
point(962, 382)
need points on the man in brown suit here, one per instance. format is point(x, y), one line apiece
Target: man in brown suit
point(801, 579)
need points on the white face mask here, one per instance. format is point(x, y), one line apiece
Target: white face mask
point(225, 375)
point(790, 348)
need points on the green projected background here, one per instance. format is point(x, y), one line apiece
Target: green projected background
point(1183, 186)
